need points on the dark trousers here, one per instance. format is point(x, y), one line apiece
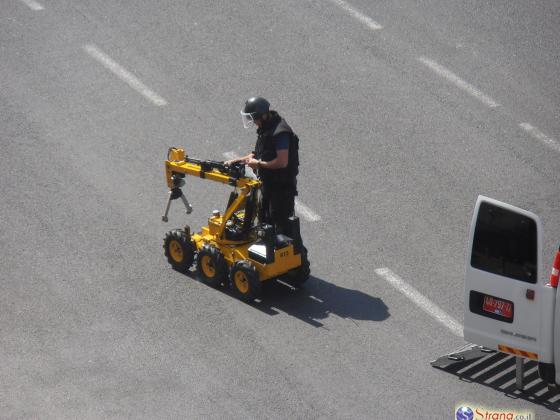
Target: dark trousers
point(277, 205)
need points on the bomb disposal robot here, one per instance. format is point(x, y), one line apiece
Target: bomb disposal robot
point(232, 250)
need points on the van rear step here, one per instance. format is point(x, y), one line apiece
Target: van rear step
point(463, 354)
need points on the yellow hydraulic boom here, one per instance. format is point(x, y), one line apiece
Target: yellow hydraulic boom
point(178, 165)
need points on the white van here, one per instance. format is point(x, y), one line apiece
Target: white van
point(509, 306)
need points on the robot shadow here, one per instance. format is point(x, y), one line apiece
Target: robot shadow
point(316, 301)
point(320, 299)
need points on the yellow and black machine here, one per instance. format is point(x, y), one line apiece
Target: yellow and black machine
point(233, 250)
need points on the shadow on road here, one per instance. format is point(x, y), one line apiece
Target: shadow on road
point(497, 371)
point(317, 300)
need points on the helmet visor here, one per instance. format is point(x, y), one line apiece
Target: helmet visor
point(247, 119)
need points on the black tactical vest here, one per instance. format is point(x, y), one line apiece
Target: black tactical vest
point(265, 150)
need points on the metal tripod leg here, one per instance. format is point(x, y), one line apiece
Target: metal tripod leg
point(167, 206)
point(188, 206)
point(171, 197)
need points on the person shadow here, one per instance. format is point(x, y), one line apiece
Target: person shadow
point(319, 299)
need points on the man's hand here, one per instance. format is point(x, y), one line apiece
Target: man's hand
point(253, 163)
point(232, 161)
point(244, 160)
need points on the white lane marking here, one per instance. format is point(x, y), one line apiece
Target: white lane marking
point(421, 301)
point(33, 5)
point(537, 134)
point(306, 212)
point(369, 22)
point(124, 75)
point(460, 83)
point(300, 208)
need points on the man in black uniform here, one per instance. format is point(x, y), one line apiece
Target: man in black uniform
point(275, 160)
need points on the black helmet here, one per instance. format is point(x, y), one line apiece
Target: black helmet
point(254, 108)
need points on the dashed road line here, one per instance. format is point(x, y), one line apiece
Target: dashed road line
point(33, 5)
point(300, 208)
point(124, 75)
point(421, 301)
point(539, 135)
point(460, 83)
point(306, 212)
point(369, 22)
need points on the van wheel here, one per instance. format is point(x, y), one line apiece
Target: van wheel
point(211, 266)
point(245, 281)
point(179, 250)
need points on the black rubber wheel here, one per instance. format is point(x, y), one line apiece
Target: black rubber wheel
point(245, 281)
point(211, 266)
point(298, 276)
point(178, 249)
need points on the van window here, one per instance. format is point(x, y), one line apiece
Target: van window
point(505, 243)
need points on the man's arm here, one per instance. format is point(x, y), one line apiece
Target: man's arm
point(281, 159)
point(241, 159)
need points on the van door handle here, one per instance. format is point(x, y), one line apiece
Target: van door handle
point(530, 294)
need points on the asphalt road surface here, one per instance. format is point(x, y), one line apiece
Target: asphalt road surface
point(406, 111)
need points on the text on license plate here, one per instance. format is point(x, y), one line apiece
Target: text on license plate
point(498, 306)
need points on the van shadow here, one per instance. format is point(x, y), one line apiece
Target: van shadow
point(318, 300)
point(489, 371)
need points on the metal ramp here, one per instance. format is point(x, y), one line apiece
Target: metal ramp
point(514, 376)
